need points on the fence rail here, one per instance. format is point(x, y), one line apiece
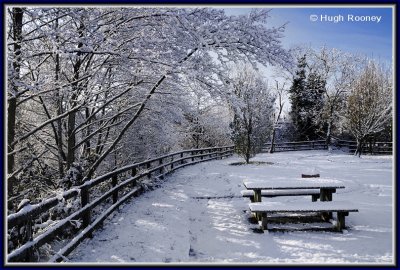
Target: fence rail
point(375, 148)
point(123, 184)
point(378, 148)
point(295, 146)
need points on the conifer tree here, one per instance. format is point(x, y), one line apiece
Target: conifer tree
point(306, 96)
point(295, 94)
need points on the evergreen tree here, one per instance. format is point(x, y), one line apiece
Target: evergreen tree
point(315, 99)
point(306, 96)
point(295, 95)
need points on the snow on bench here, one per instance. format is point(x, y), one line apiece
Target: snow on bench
point(315, 193)
point(342, 208)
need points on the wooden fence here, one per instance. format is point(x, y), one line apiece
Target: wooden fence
point(122, 185)
point(374, 148)
point(295, 146)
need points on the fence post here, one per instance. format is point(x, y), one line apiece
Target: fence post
point(114, 182)
point(161, 169)
point(133, 173)
point(28, 238)
point(172, 162)
point(84, 202)
point(148, 167)
point(182, 157)
point(28, 235)
point(192, 153)
point(201, 153)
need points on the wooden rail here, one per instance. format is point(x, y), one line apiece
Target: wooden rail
point(378, 148)
point(295, 146)
point(124, 183)
point(374, 148)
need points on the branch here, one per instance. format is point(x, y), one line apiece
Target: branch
point(76, 108)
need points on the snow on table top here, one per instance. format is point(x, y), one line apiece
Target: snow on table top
point(303, 206)
point(293, 184)
point(281, 192)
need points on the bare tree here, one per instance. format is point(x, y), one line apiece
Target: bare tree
point(369, 105)
point(84, 82)
point(338, 69)
point(252, 107)
point(14, 74)
point(280, 93)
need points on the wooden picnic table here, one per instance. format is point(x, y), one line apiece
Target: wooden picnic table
point(326, 188)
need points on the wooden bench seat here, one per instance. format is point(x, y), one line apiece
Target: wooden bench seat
point(315, 193)
point(342, 208)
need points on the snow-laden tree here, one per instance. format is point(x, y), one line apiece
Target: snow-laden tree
point(252, 111)
point(15, 32)
point(338, 69)
point(280, 93)
point(298, 87)
point(85, 82)
point(369, 104)
point(306, 97)
point(206, 119)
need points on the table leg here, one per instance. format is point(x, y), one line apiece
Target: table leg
point(264, 221)
point(257, 198)
point(326, 195)
point(340, 225)
point(257, 195)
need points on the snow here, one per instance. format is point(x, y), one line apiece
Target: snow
point(198, 215)
point(248, 193)
point(24, 204)
point(302, 206)
point(293, 183)
point(311, 171)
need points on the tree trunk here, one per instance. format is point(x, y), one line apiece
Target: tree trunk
point(248, 142)
point(61, 156)
point(12, 107)
point(329, 134)
point(12, 104)
point(72, 117)
point(272, 149)
point(71, 140)
point(330, 123)
point(359, 147)
point(87, 145)
point(247, 157)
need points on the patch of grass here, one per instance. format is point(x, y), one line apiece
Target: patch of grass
point(251, 163)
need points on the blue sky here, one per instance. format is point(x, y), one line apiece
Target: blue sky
point(368, 38)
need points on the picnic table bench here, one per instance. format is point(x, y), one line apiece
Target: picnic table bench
point(315, 193)
point(342, 209)
point(326, 188)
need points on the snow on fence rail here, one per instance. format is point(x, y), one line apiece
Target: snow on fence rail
point(296, 146)
point(120, 191)
point(384, 148)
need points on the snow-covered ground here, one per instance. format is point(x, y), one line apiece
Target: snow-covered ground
point(199, 216)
